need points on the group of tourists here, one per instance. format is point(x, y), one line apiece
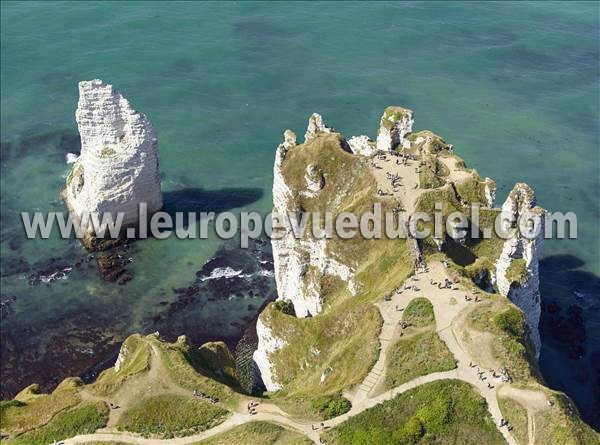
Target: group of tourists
point(447, 284)
point(403, 324)
point(394, 180)
point(467, 298)
point(502, 374)
point(252, 407)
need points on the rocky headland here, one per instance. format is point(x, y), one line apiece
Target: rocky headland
point(389, 340)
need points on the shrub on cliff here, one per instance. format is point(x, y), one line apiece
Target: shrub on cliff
point(517, 271)
point(285, 306)
point(511, 321)
point(331, 406)
point(419, 312)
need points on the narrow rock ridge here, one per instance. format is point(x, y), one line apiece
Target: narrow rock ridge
point(294, 257)
point(490, 192)
point(118, 167)
point(524, 291)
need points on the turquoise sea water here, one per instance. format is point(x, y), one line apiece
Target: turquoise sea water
point(513, 86)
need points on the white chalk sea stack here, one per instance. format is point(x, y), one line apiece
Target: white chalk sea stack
point(118, 167)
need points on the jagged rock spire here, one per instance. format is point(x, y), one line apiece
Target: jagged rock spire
point(517, 268)
point(118, 167)
point(316, 126)
point(394, 125)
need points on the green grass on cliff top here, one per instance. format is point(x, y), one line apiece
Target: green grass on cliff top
point(169, 416)
point(257, 433)
point(517, 271)
point(341, 345)
point(441, 412)
point(31, 409)
point(506, 322)
point(187, 367)
point(559, 424)
point(83, 419)
point(137, 361)
point(415, 355)
point(419, 312)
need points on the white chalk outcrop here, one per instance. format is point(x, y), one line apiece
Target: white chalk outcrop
point(316, 126)
point(525, 292)
point(395, 124)
point(267, 345)
point(314, 179)
point(362, 145)
point(299, 262)
point(122, 357)
point(490, 192)
point(118, 167)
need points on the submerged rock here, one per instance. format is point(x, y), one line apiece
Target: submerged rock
point(118, 167)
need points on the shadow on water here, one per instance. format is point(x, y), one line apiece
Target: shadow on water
point(197, 200)
point(570, 308)
point(561, 272)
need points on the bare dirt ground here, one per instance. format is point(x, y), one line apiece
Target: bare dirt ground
point(147, 384)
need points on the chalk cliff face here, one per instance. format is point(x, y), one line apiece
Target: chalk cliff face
point(297, 260)
point(316, 126)
point(267, 345)
point(300, 263)
point(118, 167)
point(362, 145)
point(490, 192)
point(323, 174)
point(517, 270)
point(395, 124)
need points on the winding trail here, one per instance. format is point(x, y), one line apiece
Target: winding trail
point(447, 304)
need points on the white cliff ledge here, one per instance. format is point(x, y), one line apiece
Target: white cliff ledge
point(118, 167)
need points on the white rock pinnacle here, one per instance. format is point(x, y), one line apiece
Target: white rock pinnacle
point(525, 293)
point(395, 124)
point(119, 163)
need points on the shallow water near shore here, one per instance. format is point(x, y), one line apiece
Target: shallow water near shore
point(514, 88)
